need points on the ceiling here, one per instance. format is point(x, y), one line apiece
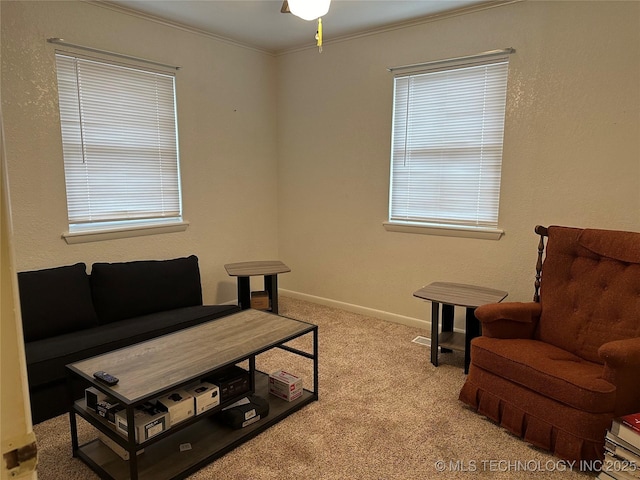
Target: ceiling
point(259, 23)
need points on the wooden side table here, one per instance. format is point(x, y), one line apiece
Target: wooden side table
point(451, 295)
point(268, 268)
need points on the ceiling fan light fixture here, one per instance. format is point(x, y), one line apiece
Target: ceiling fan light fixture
point(309, 9)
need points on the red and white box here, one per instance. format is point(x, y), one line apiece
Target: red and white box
point(285, 385)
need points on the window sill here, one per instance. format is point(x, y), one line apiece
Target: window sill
point(447, 231)
point(112, 233)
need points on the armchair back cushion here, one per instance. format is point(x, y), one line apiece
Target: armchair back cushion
point(132, 289)
point(590, 289)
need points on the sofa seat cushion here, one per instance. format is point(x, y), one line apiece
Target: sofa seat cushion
point(548, 370)
point(46, 359)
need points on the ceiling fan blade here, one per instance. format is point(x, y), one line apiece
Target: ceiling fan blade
point(285, 7)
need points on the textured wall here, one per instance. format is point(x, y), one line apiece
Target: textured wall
point(311, 188)
point(571, 150)
point(226, 108)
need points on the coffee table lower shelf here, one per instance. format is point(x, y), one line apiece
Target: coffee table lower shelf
point(208, 439)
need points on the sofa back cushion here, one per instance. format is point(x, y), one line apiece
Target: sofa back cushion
point(55, 301)
point(590, 289)
point(130, 289)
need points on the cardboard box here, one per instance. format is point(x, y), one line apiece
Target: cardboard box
point(101, 403)
point(232, 382)
point(180, 405)
point(285, 385)
point(117, 449)
point(92, 396)
point(260, 300)
point(206, 396)
point(148, 422)
point(108, 408)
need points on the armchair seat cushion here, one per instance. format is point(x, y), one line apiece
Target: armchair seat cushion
point(547, 370)
point(569, 433)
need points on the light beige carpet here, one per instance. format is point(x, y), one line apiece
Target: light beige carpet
point(384, 413)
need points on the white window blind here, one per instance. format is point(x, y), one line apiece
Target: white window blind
point(119, 134)
point(447, 137)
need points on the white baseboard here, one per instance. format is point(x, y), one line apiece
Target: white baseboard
point(230, 302)
point(370, 312)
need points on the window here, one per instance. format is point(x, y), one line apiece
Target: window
point(120, 145)
point(446, 156)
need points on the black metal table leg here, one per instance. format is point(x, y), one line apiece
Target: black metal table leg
point(244, 292)
point(271, 287)
point(447, 322)
point(435, 314)
point(73, 423)
point(472, 330)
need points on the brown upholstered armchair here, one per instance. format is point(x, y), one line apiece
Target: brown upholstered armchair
point(557, 370)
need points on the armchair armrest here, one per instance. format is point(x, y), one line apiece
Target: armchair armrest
point(509, 319)
point(621, 367)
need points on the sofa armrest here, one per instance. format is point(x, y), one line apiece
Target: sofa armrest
point(509, 319)
point(621, 367)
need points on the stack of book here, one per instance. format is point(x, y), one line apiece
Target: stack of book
point(622, 449)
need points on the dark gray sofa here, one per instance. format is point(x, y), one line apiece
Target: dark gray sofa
point(68, 315)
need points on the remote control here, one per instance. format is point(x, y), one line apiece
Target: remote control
point(106, 378)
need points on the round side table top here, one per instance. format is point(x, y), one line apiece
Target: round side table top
point(459, 294)
point(262, 267)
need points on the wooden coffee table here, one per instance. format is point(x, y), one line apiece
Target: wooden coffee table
point(156, 367)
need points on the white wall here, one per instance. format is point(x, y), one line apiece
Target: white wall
point(571, 150)
point(288, 157)
point(226, 112)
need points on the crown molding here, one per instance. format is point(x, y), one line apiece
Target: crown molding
point(180, 26)
point(374, 31)
point(406, 24)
